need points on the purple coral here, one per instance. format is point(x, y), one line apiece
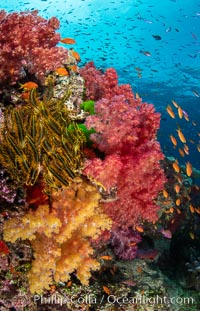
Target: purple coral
point(124, 242)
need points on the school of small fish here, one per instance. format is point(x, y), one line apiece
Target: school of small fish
point(183, 145)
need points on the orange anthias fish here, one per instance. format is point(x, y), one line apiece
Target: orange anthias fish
point(132, 244)
point(170, 112)
point(180, 112)
point(181, 152)
point(179, 179)
point(74, 68)
point(186, 116)
point(106, 257)
point(167, 211)
point(106, 290)
point(29, 85)
point(176, 167)
point(139, 229)
point(188, 169)
point(69, 283)
point(68, 41)
point(76, 55)
point(181, 136)
point(192, 209)
point(165, 194)
point(173, 140)
point(62, 71)
point(177, 188)
point(186, 149)
point(175, 103)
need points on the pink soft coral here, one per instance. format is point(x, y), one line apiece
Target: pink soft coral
point(107, 170)
point(122, 127)
point(139, 182)
point(28, 45)
point(126, 131)
point(103, 85)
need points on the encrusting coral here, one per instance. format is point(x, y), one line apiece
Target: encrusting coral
point(40, 138)
point(59, 235)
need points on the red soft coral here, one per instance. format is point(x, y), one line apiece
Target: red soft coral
point(139, 182)
point(126, 131)
point(28, 45)
point(107, 170)
point(122, 127)
point(103, 85)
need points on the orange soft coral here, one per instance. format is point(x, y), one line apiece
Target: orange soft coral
point(59, 236)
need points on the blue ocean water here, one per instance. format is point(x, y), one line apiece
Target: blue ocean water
point(153, 45)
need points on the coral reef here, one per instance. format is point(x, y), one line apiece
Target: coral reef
point(59, 235)
point(28, 46)
point(83, 150)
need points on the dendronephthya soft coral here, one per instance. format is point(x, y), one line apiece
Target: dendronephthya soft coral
point(129, 158)
point(28, 46)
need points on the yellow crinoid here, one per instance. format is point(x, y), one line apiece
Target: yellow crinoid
point(40, 138)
